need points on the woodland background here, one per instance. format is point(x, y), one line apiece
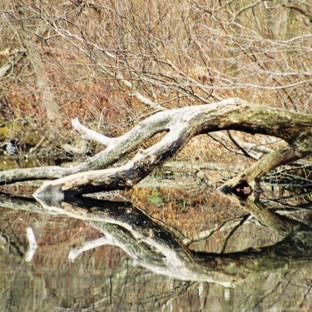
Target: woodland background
point(114, 63)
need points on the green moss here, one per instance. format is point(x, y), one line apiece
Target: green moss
point(155, 200)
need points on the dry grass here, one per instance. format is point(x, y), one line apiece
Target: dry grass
point(173, 53)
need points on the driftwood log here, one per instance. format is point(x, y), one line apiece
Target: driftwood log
point(181, 125)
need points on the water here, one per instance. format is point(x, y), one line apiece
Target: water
point(172, 250)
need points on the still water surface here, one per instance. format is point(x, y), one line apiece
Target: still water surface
point(106, 278)
point(140, 265)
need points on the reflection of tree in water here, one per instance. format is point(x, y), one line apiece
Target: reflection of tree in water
point(262, 275)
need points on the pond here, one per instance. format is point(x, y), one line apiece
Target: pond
point(165, 246)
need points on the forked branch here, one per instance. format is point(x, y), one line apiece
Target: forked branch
point(181, 125)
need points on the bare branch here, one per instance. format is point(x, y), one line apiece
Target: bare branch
point(90, 134)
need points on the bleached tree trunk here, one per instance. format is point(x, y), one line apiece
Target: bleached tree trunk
point(179, 126)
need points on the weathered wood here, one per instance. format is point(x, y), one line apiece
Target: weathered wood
point(181, 125)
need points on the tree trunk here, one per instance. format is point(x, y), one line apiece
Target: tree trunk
point(181, 125)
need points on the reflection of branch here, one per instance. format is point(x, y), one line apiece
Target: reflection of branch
point(203, 235)
point(243, 219)
point(89, 245)
point(251, 204)
point(149, 242)
point(32, 244)
point(162, 259)
point(153, 245)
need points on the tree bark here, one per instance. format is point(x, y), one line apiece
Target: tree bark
point(181, 125)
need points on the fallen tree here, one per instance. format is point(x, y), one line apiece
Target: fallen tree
point(179, 125)
point(150, 242)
